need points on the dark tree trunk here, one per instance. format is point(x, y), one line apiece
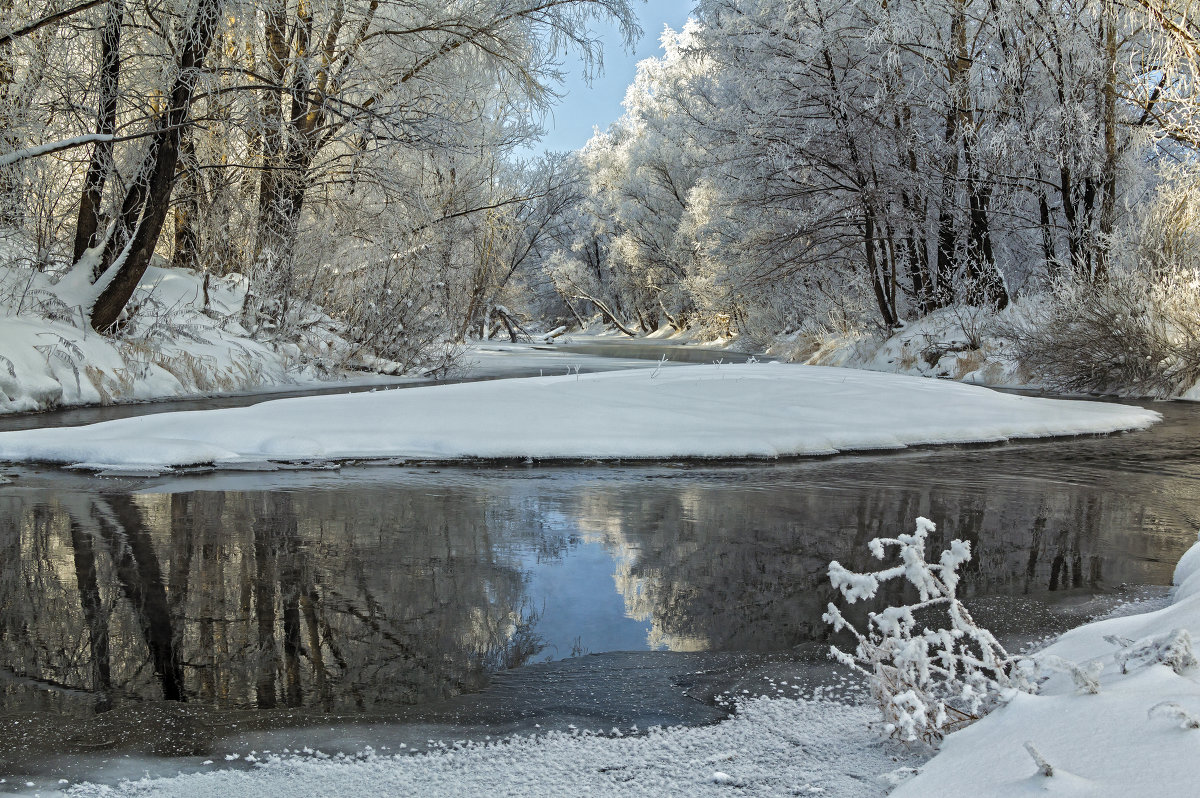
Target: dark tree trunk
point(878, 282)
point(987, 284)
point(148, 199)
point(87, 228)
point(187, 208)
point(1048, 252)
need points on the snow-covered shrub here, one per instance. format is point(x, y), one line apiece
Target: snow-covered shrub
point(1173, 649)
point(928, 679)
point(1133, 332)
point(1136, 328)
point(1086, 677)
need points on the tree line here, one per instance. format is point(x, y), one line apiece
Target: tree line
point(358, 154)
point(786, 162)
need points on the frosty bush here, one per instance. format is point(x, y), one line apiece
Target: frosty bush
point(1132, 332)
point(1136, 327)
point(929, 680)
point(1173, 649)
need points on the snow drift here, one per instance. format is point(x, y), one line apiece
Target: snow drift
point(1137, 735)
point(715, 411)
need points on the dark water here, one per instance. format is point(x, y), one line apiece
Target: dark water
point(165, 615)
point(652, 350)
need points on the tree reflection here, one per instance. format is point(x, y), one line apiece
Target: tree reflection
point(379, 594)
point(139, 574)
point(261, 599)
point(724, 569)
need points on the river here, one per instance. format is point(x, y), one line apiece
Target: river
point(156, 623)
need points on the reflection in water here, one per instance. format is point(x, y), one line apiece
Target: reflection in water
point(253, 599)
point(372, 588)
point(706, 578)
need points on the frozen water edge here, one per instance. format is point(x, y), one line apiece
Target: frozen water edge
point(714, 411)
point(771, 747)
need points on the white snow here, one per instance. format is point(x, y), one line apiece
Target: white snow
point(1132, 738)
point(960, 343)
point(713, 411)
point(771, 747)
point(10, 158)
point(49, 356)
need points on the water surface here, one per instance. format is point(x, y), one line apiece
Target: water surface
point(183, 616)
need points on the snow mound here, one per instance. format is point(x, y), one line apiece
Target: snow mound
point(772, 747)
point(713, 411)
point(1137, 736)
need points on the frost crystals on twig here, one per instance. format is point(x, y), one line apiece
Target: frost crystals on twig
point(928, 680)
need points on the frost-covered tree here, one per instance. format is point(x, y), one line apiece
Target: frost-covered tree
point(269, 137)
point(795, 162)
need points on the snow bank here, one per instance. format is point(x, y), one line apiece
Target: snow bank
point(715, 411)
point(1132, 738)
point(958, 342)
point(186, 340)
point(772, 747)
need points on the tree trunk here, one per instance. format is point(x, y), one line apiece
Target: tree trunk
point(878, 284)
point(270, 214)
point(87, 228)
point(10, 176)
point(132, 247)
point(1108, 177)
point(187, 209)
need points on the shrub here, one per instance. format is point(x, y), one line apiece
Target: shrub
point(928, 680)
point(1131, 333)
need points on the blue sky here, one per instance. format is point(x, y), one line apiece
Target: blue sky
point(584, 107)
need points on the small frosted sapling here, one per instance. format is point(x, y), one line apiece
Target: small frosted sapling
point(928, 680)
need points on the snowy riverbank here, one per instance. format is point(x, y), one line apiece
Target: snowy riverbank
point(187, 340)
point(1136, 736)
point(746, 410)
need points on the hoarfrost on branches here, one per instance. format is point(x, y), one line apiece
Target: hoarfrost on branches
point(928, 680)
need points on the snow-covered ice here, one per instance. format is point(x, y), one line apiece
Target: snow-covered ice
point(713, 411)
point(771, 747)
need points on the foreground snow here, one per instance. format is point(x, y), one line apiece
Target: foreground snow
point(772, 747)
point(1124, 741)
point(750, 410)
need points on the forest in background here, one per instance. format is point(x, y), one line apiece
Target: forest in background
point(787, 170)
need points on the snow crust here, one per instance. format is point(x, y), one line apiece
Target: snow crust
point(709, 411)
point(1131, 738)
point(771, 747)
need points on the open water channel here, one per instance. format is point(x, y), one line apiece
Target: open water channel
point(158, 623)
